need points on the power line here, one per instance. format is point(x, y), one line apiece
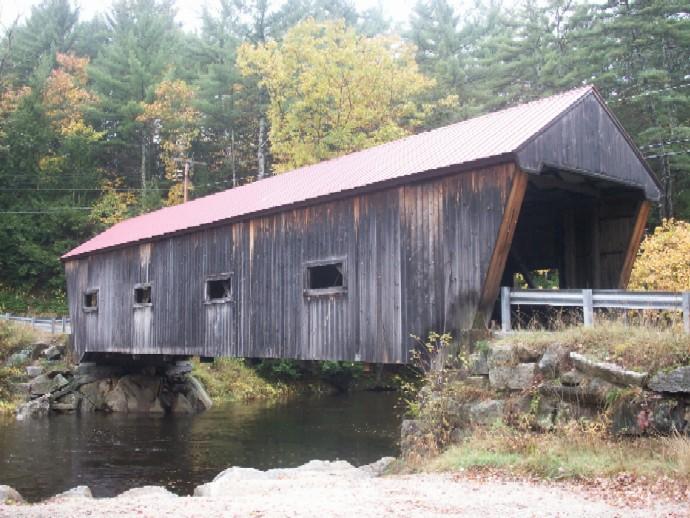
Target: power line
point(666, 143)
point(649, 92)
point(81, 189)
point(49, 211)
point(670, 153)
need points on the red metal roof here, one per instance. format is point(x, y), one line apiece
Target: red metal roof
point(483, 137)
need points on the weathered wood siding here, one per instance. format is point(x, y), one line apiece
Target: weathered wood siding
point(416, 257)
point(586, 139)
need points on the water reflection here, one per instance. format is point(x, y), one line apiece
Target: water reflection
point(111, 453)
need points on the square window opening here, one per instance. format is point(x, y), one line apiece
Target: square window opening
point(218, 289)
point(91, 300)
point(325, 276)
point(142, 295)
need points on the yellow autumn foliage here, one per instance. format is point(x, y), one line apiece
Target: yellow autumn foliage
point(175, 123)
point(333, 91)
point(663, 262)
point(66, 97)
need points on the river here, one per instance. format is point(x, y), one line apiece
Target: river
point(112, 453)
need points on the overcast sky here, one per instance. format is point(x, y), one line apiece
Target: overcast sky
point(188, 11)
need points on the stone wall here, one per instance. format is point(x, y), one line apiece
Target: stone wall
point(516, 385)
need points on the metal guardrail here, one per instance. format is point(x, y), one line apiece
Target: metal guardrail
point(51, 325)
point(589, 300)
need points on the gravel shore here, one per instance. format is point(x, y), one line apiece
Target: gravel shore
point(345, 493)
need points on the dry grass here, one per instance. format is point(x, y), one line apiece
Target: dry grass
point(14, 337)
point(578, 452)
point(638, 347)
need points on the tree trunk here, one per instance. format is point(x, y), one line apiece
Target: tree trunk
point(143, 165)
point(261, 154)
point(232, 157)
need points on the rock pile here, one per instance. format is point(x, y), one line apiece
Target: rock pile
point(104, 388)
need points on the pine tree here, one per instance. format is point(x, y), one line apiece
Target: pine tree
point(143, 38)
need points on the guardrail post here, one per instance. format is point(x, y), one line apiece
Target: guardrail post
point(588, 307)
point(505, 309)
point(52, 326)
point(64, 325)
point(33, 322)
point(7, 317)
point(686, 311)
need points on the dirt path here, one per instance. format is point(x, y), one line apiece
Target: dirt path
point(331, 494)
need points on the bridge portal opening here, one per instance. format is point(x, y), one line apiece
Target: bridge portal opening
point(573, 232)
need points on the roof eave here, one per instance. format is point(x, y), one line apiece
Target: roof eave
point(374, 187)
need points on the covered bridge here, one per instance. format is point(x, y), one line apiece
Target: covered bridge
point(346, 258)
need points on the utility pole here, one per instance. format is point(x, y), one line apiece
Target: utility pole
point(187, 163)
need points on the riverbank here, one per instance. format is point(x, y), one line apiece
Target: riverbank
point(338, 489)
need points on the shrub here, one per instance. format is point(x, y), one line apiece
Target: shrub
point(663, 262)
point(285, 370)
point(340, 374)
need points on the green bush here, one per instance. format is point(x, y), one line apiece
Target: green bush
point(340, 374)
point(283, 370)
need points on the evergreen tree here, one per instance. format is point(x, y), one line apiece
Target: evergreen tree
point(143, 37)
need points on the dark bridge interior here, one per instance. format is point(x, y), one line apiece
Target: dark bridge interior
point(573, 232)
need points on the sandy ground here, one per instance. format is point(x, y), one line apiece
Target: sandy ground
point(426, 495)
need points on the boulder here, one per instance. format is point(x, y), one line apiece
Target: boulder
point(553, 360)
point(479, 382)
point(527, 354)
point(572, 378)
point(66, 403)
point(54, 352)
point(9, 495)
point(181, 405)
point(196, 394)
point(147, 492)
point(590, 392)
point(76, 492)
point(486, 413)
point(47, 383)
point(650, 414)
point(19, 358)
point(478, 363)
point(134, 393)
point(226, 483)
point(609, 372)
point(93, 395)
point(676, 380)
point(545, 415)
point(34, 370)
point(518, 377)
point(35, 408)
point(179, 368)
point(501, 355)
point(378, 468)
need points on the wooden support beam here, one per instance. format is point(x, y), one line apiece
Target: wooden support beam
point(596, 249)
point(569, 250)
point(634, 243)
point(502, 247)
